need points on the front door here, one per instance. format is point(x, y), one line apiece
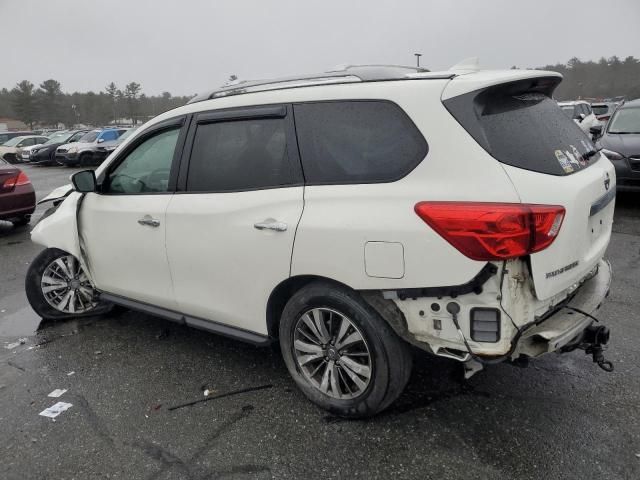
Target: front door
point(124, 225)
point(230, 232)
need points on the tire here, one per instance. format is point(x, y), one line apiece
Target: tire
point(381, 353)
point(19, 222)
point(84, 160)
point(43, 305)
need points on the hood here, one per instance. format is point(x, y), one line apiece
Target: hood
point(30, 147)
point(7, 149)
point(625, 144)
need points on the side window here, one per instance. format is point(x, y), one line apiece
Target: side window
point(109, 135)
point(241, 155)
point(146, 168)
point(357, 142)
point(588, 109)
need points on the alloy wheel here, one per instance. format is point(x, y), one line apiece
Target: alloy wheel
point(332, 353)
point(66, 287)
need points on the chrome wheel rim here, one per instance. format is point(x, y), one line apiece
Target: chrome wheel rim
point(66, 287)
point(332, 353)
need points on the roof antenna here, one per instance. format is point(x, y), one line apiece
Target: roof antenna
point(468, 64)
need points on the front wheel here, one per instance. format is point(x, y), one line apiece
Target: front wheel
point(57, 287)
point(342, 355)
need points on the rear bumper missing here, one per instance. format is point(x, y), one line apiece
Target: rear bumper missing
point(566, 327)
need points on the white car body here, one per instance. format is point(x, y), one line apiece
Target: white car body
point(206, 265)
point(582, 114)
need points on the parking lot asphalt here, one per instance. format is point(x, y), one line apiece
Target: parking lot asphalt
point(562, 417)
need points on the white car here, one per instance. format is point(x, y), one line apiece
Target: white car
point(350, 215)
point(581, 113)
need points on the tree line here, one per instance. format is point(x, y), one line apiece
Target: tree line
point(47, 105)
point(606, 78)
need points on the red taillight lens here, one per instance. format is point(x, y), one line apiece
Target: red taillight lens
point(493, 231)
point(22, 179)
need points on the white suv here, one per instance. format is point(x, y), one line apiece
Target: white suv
point(349, 215)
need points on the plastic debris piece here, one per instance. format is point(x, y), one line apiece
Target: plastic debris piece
point(11, 346)
point(70, 373)
point(22, 341)
point(55, 410)
point(58, 392)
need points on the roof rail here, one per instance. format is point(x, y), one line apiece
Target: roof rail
point(341, 75)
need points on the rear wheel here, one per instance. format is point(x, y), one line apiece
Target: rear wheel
point(341, 354)
point(58, 288)
point(85, 159)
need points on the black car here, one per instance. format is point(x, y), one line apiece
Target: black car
point(620, 143)
point(45, 154)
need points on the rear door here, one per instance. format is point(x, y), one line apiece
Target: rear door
point(231, 227)
point(550, 161)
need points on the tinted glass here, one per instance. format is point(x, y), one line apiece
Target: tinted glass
point(145, 169)
point(240, 155)
point(523, 129)
point(357, 142)
point(13, 142)
point(109, 135)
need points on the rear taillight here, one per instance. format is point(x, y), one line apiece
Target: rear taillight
point(22, 179)
point(493, 231)
point(14, 180)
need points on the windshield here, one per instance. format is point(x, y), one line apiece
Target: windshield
point(90, 137)
point(57, 138)
point(568, 110)
point(13, 142)
point(600, 109)
point(626, 120)
point(126, 134)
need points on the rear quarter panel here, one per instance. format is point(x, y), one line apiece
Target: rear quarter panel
point(338, 220)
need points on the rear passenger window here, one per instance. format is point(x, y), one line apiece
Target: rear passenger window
point(357, 142)
point(241, 155)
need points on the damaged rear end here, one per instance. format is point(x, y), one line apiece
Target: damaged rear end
point(544, 277)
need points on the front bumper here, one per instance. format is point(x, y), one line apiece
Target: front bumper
point(67, 158)
point(627, 174)
point(565, 327)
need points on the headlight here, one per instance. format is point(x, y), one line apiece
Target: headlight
point(34, 151)
point(72, 150)
point(611, 155)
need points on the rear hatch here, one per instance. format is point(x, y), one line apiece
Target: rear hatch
point(550, 162)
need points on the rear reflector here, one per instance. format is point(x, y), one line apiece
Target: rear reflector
point(493, 231)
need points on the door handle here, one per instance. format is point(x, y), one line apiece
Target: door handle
point(271, 224)
point(149, 221)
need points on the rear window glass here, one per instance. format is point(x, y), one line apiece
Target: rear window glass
point(357, 142)
point(523, 129)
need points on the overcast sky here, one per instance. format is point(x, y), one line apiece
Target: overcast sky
point(186, 46)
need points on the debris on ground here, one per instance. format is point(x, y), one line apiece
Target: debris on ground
point(22, 341)
point(11, 346)
point(70, 373)
point(55, 410)
point(222, 395)
point(57, 392)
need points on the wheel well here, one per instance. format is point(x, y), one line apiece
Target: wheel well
point(281, 295)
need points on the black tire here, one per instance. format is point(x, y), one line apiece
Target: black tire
point(20, 222)
point(36, 296)
point(84, 160)
point(391, 358)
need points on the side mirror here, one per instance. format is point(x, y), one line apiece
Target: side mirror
point(85, 181)
point(100, 140)
point(596, 130)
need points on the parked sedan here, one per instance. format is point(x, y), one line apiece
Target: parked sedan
point(81, 153)
point(45, 154)
point(17, 197)
point(10, 149)
point(620, 143)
